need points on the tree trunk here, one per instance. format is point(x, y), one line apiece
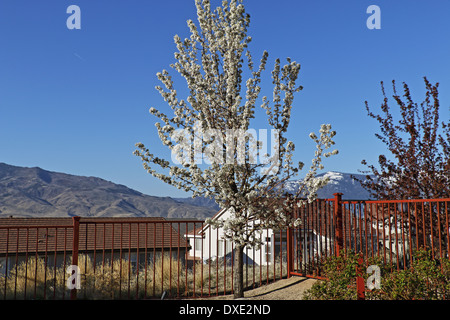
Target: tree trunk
point(238, 272)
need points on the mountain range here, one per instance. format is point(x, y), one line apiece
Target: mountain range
point(34, 192)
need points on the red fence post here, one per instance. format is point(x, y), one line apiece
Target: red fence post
point(289, 252)
point(360, 286)
point(75, 241)
point(339, 244)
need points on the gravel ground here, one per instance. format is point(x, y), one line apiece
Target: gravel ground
point(286, 289)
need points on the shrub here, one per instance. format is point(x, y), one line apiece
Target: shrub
point(341, 273)
point(428, 278)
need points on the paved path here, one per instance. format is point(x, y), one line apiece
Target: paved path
point(286, 289)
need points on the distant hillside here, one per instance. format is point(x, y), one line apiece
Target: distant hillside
point(202, 202)
point(34, 192)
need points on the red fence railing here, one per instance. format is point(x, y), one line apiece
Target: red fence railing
point(392, 230)
point(28, 256)
point(127, 258)
point(144, 258)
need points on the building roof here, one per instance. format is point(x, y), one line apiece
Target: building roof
point(56, 234)
point(199, 230)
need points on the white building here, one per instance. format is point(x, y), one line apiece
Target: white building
point(208, 243)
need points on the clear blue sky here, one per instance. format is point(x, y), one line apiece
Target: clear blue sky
point(77, 101)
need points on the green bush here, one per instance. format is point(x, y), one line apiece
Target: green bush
point(341, 275)
point(425, 279)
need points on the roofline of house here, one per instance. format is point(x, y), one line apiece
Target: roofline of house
point(198, 231)
point(58, 231)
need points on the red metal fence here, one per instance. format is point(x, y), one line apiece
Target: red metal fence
point(142, 258)
point(392, 230)
point(28, 254)
point(133, 258)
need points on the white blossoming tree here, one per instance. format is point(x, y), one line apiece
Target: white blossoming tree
point(216, 115)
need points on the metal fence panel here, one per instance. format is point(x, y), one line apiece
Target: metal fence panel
point(150, 258)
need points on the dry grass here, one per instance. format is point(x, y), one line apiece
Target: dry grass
point(32, 280)
point(121, 280)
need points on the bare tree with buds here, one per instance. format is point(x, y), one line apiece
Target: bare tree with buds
point(419, 163)
point(419, 146)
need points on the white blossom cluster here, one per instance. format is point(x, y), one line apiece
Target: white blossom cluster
point(211, 62)
point(311, 183)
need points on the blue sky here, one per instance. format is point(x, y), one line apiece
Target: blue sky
point(77, 101)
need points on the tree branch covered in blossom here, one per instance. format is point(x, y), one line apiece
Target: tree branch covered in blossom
point(221, 102)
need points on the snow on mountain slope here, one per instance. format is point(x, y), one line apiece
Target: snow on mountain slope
point(338, 182)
